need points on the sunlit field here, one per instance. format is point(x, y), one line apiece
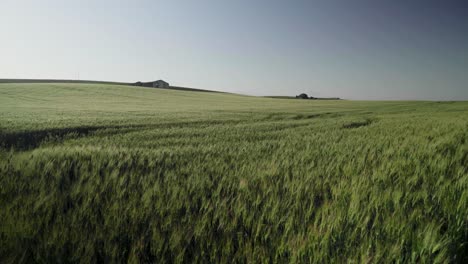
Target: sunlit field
point(93, 173)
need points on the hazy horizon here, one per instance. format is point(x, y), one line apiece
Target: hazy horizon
point(365, 49)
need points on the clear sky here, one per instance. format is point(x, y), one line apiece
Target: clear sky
point(354, 49)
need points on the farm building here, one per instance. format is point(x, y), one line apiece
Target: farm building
point(155, 84)
point(160, 84)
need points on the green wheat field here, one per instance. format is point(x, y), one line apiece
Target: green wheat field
point(110, 173)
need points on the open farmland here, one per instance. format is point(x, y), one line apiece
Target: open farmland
point(123, 174)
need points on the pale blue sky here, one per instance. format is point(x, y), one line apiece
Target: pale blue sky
point(358, 49)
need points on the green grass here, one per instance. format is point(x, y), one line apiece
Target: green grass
point(92, 173)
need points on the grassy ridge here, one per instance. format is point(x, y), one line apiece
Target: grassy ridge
point(64, 81)
point(113, 173)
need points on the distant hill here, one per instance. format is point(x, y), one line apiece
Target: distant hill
point(58, 81)
point(98, 82)
point(310, 98)
point(281, 97)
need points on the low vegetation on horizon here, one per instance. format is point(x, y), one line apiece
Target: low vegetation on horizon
point(110, 173)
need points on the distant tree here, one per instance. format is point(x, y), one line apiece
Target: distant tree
point(302, 96)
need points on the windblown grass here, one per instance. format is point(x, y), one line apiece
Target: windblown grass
point(93, 173)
